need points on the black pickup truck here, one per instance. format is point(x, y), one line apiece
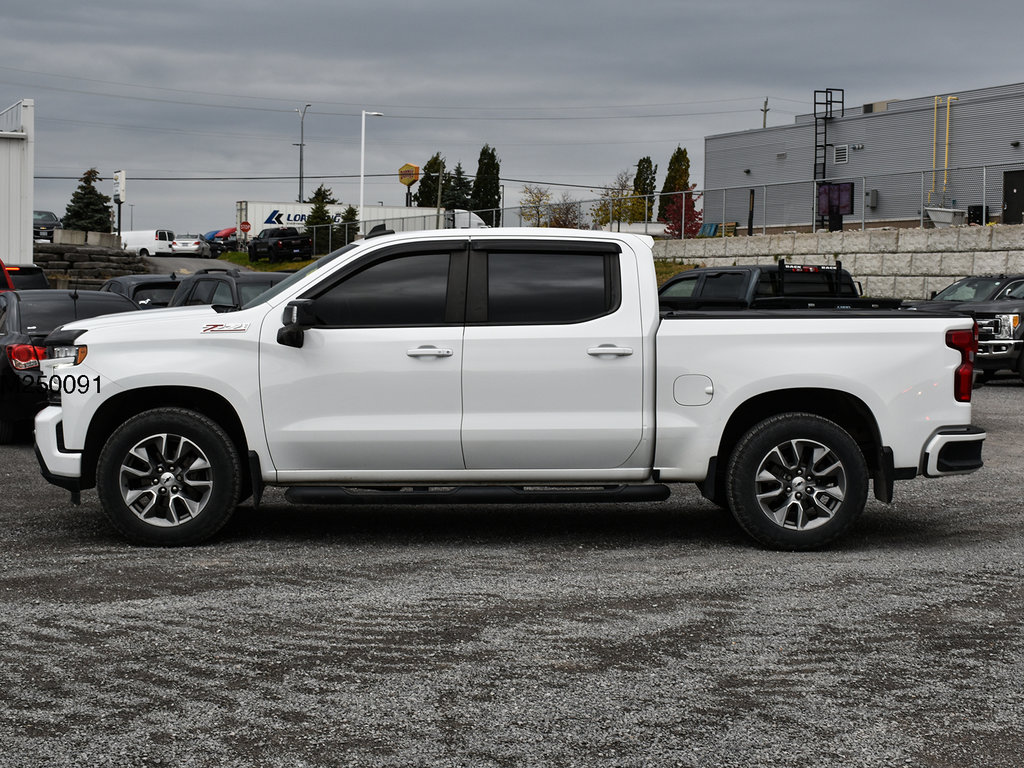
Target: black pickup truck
point(996, 302)
point(280, 244)
point(767, 286)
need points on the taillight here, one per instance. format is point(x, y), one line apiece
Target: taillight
point(25, 356)
point(966, 341)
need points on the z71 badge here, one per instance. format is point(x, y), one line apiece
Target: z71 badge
point(225, 328)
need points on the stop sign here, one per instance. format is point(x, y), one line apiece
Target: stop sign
point(245, 226)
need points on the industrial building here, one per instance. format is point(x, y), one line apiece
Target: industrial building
point(935, 160)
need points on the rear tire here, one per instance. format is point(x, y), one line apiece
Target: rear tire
point(7, 429)
point(169, 477)
point(797, 481)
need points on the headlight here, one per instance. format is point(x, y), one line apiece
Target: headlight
point(1008, 325)
point(76, 354)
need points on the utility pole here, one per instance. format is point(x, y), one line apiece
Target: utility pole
point(764, 116)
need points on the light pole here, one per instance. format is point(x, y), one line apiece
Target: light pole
point(302, 142)
point(362, 164)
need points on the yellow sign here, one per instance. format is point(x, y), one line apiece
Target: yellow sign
point(409, 174)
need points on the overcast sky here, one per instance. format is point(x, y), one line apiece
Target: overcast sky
point(569, 92)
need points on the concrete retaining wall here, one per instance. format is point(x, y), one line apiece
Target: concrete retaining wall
point(68, 265)
point(905, 263)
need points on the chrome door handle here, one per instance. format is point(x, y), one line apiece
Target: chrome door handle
point(429, 352)
point(610, 350)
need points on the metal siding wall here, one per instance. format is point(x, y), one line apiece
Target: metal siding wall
point(16, 187)
point(900, 140)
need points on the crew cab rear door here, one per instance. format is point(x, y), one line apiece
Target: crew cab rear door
point(553, 356)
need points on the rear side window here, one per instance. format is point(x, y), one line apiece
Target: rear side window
point(681, 289)
point(728, 285)
point(550, 288)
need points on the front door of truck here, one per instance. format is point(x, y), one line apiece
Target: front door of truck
point(553, 368)
point(376, 384)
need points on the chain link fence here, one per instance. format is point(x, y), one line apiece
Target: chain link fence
point(916, 198)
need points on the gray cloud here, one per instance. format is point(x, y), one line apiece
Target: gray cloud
point(568, 93)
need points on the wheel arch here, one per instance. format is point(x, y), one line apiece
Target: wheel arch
point(122, 407)
point(848, 411)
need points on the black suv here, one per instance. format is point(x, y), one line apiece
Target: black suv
point(148, 291)
point(224, 287)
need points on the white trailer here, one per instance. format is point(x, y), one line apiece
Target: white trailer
point(263, 214)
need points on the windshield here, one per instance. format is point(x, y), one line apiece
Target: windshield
point(971, 289)
point(320, 263)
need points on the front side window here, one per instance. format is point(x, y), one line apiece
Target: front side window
point(540, 288)
point(402, 291)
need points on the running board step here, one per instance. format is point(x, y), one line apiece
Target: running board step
point(475, 494)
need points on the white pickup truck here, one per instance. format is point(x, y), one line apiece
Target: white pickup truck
point(502, 365)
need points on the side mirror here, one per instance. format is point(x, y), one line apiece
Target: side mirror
point(297, 317)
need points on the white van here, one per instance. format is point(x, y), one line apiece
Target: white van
point(148, 242)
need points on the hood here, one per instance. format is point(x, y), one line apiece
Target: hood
point(136, 318)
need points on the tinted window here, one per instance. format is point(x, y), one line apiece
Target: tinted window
point(43, 315)
point(1015, 291)
point(250, 289)
point(681, 288)
point(530, 288)
point(971, 289)
point(28, 278)
point(203, 292)
point(156, 296)
point(728, 285)
point(408, 290)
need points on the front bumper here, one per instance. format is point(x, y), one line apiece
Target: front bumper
point(953, 451)
point(59, 466)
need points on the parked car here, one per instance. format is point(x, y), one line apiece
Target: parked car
point(996, 302)
point(191, 245)
point(224, 287)
point(280, 243)
point(26, 317)
point(43, 225)
point(148, 291)
point(23, 277)
point(767, 286)
point(227, 238)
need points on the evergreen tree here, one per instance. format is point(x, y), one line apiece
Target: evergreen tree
point(458, 190)
point(426, 194)
point(319, 220)
point(644, 189)
point(485, 198)
point(89, 209)
point(346, 231)
point(677, 179)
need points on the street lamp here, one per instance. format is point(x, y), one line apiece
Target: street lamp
point(302, 143)
point(362, 163)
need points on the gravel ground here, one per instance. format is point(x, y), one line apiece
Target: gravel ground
point(649, 635)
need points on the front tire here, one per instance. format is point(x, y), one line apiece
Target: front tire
point(169, 477)
point(797, 481)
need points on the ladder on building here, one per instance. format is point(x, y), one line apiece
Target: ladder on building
point(825, 102)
